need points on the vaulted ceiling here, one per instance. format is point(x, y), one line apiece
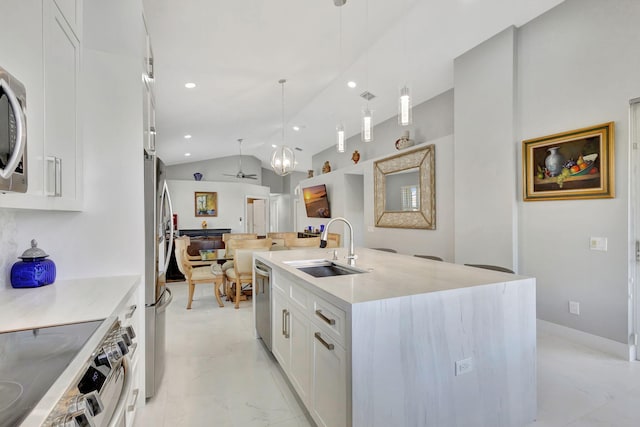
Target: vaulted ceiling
point(236, 51)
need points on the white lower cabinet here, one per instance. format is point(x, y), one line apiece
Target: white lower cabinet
point(315, 362)
point(329, 385)
point(131, 313)
point(291, 345)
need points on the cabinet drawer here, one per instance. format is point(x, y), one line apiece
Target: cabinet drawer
point(330, 318)
point(296, 294)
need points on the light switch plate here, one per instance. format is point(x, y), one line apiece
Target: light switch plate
point(598, 244)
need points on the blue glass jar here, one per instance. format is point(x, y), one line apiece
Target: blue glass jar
point(34, 270)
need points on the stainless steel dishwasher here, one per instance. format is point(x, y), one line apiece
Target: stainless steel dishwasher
point(263, 302)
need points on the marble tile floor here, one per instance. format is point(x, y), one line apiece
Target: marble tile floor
point(218, 375)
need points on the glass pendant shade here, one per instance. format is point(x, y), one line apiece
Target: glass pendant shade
point(404, 107)
point(340, 142)
point(283, 160)
point(366, 133)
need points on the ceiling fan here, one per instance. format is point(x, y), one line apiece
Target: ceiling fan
point(240, 174)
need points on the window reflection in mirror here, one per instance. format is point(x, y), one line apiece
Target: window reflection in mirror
point(402, 191)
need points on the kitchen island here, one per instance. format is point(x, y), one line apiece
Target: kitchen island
point(409, 342)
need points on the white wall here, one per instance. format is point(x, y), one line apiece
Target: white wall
point(215, 169)
point(231, 203)
point(359, 208)
point(578, 65)
point(432, 119)
point(106, 238)
point(484, 155)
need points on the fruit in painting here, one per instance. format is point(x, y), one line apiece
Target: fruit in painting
point(575, 168)
point(593, 170)
point(580, 161)
point(583, 166)
point(565, 172)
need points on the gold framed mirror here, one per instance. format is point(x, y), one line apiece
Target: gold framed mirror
point(405, 190)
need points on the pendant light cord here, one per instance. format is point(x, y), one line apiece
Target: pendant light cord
point(282, 82)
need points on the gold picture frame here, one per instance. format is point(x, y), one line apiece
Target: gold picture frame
point(206, 203)
point(577, 164)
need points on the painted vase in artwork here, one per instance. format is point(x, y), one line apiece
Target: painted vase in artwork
point(554, 161)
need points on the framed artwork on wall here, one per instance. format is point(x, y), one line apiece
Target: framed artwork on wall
point(577, 164)
point(206, 203)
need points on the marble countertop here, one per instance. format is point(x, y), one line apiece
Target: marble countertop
point(388, 275)
point(65, 301)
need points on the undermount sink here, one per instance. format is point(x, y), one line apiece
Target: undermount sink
point(323, 268)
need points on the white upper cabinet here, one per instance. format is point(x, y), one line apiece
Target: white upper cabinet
point(40, 45)
point(72, 12)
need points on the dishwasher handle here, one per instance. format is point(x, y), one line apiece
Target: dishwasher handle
point(261, 271)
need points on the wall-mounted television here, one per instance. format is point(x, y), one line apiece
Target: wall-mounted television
point(316, 201)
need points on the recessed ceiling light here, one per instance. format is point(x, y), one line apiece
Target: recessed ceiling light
point(296, 128)
point(352, 84)
point(187, 154)
point(187, 137)
point(189, 85)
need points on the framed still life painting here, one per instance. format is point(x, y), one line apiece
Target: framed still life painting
point(577, 164)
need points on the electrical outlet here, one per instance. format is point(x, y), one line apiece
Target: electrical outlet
point(464, 366)
point(574, 307)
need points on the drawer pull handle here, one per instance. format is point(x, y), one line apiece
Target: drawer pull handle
point(134, 399)
point(325, 318)
point(132, 310)
point(288, 324)
point(284, 323)
point(328, 345)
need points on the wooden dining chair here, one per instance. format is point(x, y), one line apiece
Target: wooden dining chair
point(491, 267)
point(302, 242)
point(241, 273)
point(197, 271)
point(433, 257)
point(227, 237)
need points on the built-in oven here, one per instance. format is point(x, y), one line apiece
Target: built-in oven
point(97, 396)
point(262, 291)
point(66, 375)
point(13, 134)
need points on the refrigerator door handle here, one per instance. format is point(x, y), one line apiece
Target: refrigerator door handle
point(164, 304)
point(167, 197)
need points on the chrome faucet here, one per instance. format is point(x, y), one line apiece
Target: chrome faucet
point(351, 256)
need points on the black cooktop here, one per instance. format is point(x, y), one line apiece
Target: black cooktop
point(31, 361)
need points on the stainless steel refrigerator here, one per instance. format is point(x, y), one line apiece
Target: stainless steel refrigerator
point(159, 233)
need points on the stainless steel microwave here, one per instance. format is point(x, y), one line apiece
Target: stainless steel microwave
point(13, 134)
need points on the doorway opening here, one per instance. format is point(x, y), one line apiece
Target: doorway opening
point(257, 215)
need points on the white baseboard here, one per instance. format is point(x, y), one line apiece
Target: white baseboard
point(595, 342)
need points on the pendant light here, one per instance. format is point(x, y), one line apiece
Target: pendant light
point(404, 101)
point(340, 139)
point(340, 142)
point(283, 159)
point(366, 134)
